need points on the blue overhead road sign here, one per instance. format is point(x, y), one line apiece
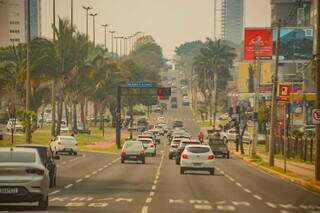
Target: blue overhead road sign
point(141, 84)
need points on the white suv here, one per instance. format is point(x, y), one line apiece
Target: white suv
point(64, 144)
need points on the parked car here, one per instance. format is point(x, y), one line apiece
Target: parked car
point(82, 129)
point(64, 144)
point(15, 124)
point(47, 158)
point(219, 147)
point(133, 150)
point(197, 157)
point(23, 176)
point(149, 146)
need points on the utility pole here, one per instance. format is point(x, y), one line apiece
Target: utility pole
point(94, 27)
point(112, 32)
point(215, 76)
point(87, 17)
point(256, 100)
point(28, 89)
point(274, 105)
point(105, 35)
point(53, 93)
point(71, 13)
point(116, 38)
point(317, 162)
point(120, 52)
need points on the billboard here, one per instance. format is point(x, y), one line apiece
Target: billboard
point(295, 43)
point(258, 42)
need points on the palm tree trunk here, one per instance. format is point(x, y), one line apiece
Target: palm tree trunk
point(82, 109)
point(60, 106)
point(74, 106)
point(53, 110)
point(95, 112)
point(66, 113)
point(215, 98)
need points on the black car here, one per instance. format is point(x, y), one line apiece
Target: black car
point(219, 147)
point(82, 129)
point(47, 158)
point(177, 123)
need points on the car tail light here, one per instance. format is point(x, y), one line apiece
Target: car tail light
point(174, 146)
point(210, 157)
point(142, 152)
point(151, 145)
point(35, 171)
point(123, 153)
point(59, 143)
point(185, 156)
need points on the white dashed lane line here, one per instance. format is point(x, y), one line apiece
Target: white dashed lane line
point(68, 186)
point(271, 205)
point(144, 209)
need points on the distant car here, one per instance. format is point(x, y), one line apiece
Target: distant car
point(177, 123)
point(219, 147)
point(164, 106)
point(231, 135)
point(149, 146)
point(64, 129)
point(47, 158)
point(64, 144)
point(134, 151)
point(198, 158)
point(182, 146)
point(24, 178)
point(161, 119)
point(82, 130)
point(173, 148)
point(134, 126)
point(14, 124)
point(185, 101)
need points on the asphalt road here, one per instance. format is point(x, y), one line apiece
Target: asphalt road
point(95, 182)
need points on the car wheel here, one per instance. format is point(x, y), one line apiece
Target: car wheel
point(212, 171)
point(225, 140)
point(181, 170)
point(228, 155)
point(143, 161)
point(55, 181)
point(43, 204)
point(75, 153)
point(122, 161)
point(177, 161)
point(70, 153)
point(170, 157)
point(154, 154)
point(51, 184)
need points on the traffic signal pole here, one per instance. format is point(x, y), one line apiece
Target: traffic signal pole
point(317, 162)
point(118, 118)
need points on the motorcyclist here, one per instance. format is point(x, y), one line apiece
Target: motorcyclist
point(201, 136)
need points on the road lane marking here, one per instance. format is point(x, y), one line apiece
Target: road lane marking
point(238, 184)
point(100, 169)
point(94, 173)
point(155, 182)
point(82, 199)
point(271, 205)
point(257, 197)
point(151, 193)
point(284, 211)
point(79, 180)
point(124, 199)
point(54, 192)
point(149, 200)
point(98, 205)
point(247, 190)
point(202, 207)
point(68, 186)
point(179, 201)
point(80, 204)
point(87, 176)
point(144, 209)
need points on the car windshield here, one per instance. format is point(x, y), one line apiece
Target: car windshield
point(198, 149)
point(17, 157)
point(132, 145)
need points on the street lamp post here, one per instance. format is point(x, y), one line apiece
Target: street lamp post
point(87, 15)
point(125, 45)
point(71, 13)
point(112, 32)
point(105, 35)
point(28, 89)
point(94, 27)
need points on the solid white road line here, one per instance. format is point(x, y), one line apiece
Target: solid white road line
point(87, 176)
point(154, 187)
point(149, 199)
point(151, 193)
point(271, 205)
point(79, 180)
point(257, 197)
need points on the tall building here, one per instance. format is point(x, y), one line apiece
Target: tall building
point(232, 18)
point(13, 21)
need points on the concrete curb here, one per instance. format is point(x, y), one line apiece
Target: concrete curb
point(306, 184)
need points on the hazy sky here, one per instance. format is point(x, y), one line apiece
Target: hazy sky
point(170, 22)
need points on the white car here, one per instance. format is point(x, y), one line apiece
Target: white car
point(14, 124)
point(231, 135)
point(185, 101)
point(161, 119)
point(197, 157)
point(64, 144)
point(23, 177)
point(149, 146)
point(64, 129)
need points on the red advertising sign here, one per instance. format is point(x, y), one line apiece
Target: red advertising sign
point(258, 43)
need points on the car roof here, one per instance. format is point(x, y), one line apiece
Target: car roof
point(198, 145)
point(133, 141)
point(17, 149)
point(142, 138)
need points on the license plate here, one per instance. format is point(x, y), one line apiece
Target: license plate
point(197, 164)
point(132, 157)
point(8, 190)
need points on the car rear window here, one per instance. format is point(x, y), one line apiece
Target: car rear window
point(67, 139)
point(216, 142)
point(132, 145)
point(17, 157)
point(198, 149)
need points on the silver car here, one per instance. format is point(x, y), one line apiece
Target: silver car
point(23, 177)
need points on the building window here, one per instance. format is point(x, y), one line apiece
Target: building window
point(14, 22)
point(14, 31)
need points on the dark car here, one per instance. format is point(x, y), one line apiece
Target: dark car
point(183, 145)
point(47, 158)
point(82, 129)
point(177, 123)
point(219, 147)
